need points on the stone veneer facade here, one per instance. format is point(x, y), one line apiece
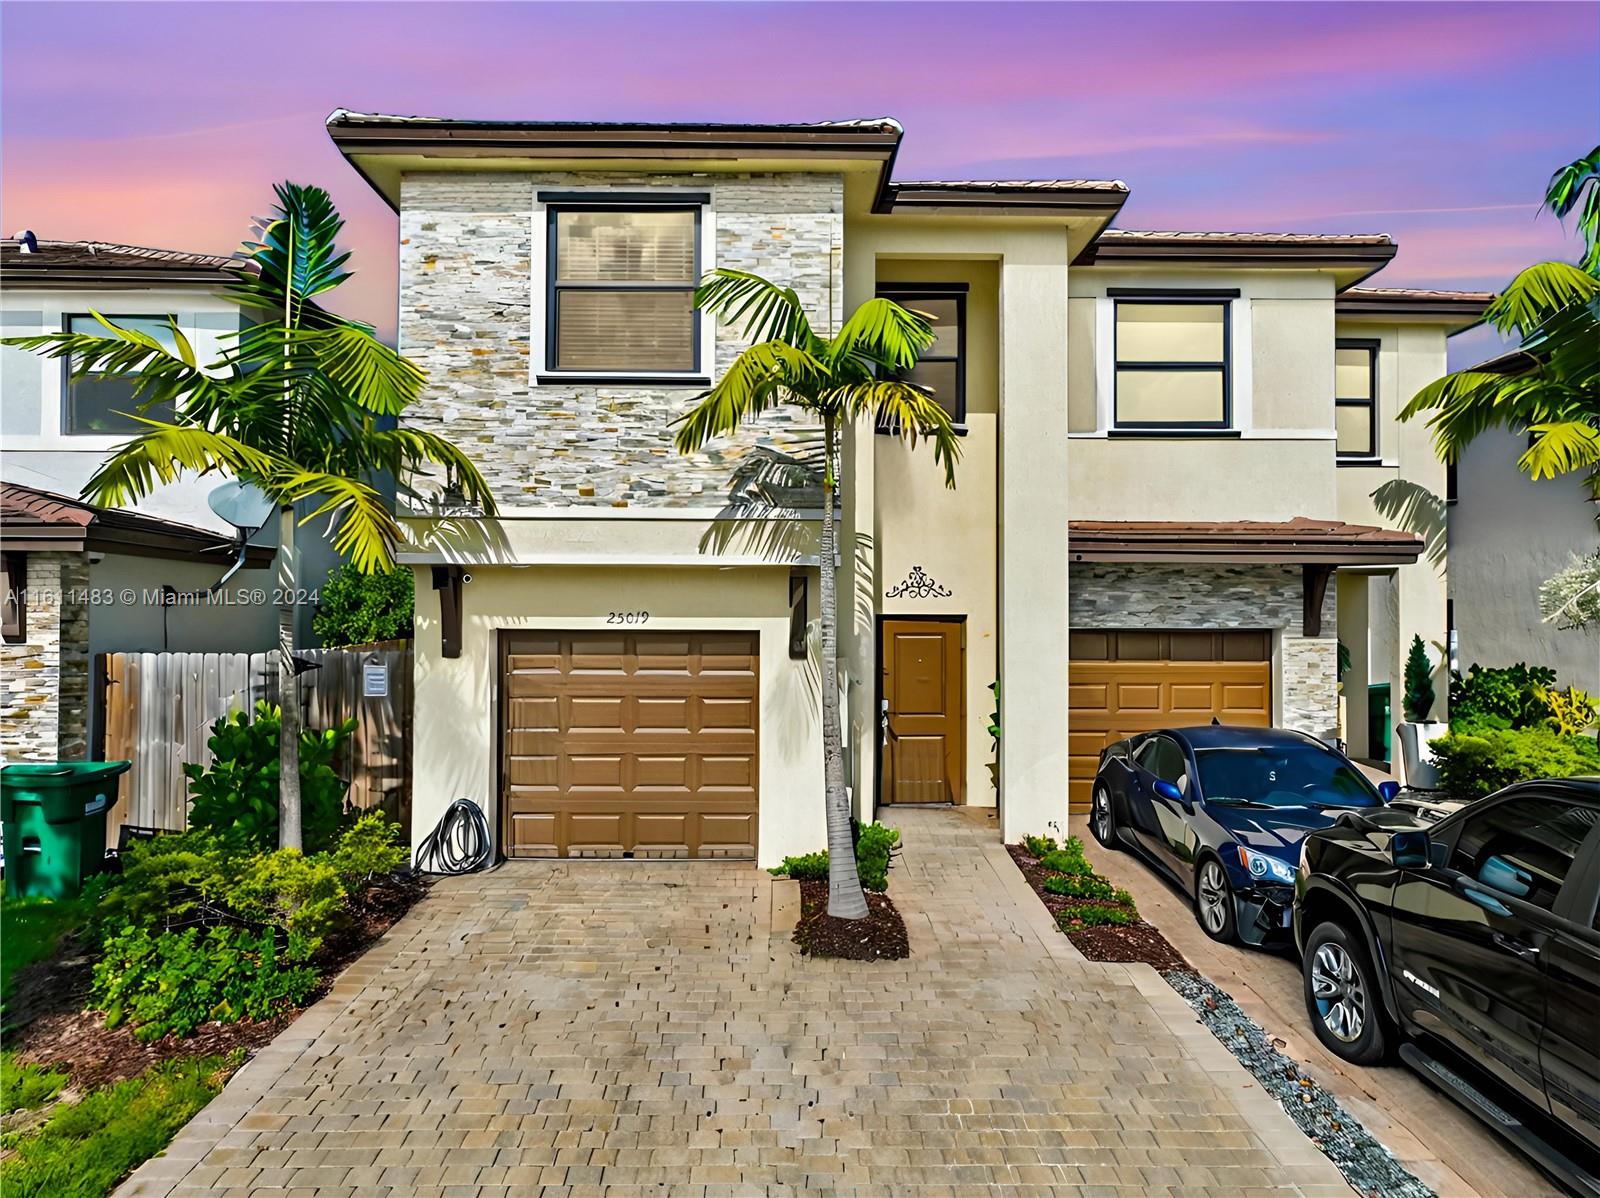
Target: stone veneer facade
point(1107, 595)
point(44, 715)
point(467, 266)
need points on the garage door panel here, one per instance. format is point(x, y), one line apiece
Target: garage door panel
point(637, 744)
point(1191, 696)
point(1138, 696)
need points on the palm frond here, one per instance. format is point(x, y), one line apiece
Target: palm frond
point(401, 450)
point(163, 452)
point(908, 412)
point(762, 376)
point(883, 332)
point(1458, 387)
point(362, 529)
point(1560, 448)
point(1538, 294)
point(296, 252)
point(379, 379)
point(1578, 185)
point(763, 310)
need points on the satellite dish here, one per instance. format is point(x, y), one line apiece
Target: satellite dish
point(242, 505)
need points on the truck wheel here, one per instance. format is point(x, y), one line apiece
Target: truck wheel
point(1342, 996)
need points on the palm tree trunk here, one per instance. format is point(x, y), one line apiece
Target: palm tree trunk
point(845, 897)
point(288, 690)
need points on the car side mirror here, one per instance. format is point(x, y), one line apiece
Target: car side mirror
point(1410, 850)
point(1389, 790)
point(1167, 790)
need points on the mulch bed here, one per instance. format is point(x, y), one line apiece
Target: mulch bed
point(1109, 942)
point(48, 1026)
point(881, 936)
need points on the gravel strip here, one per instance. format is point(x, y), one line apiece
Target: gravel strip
point(1366, 1164)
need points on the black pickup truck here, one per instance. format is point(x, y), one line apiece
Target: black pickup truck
point(1470, 947)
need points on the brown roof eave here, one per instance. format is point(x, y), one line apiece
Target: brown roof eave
point(1101, 203)
point(51, 279)
point(1299, 541)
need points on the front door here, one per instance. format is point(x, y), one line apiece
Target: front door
point(922, 737)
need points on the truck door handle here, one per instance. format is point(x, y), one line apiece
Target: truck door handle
point(1517, 948)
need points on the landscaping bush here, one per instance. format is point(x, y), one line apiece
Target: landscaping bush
point(236, 796)
point(85, 1148)
point(297, 895)
point(1418, 697)
point(354, 608)
point(1474, 764)
point(1094, 915)
point(172, 982)
point(1512, 697)
point(874, 846)
point(1038, 846)
point(370, 849)
point(1068, 859)
point(1084, 886)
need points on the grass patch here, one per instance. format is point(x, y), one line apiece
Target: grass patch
point(31, 929)
point(26, 1087)
point(85, 1149)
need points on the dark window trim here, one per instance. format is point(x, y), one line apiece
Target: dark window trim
point(605, 200)
point(1161, 293)
point(1372, 455)
point(14, 622)
point(66, 363)
point(593, 379)
point(552, 289)
point(1174, 432)
point(1206, 298)
point(913, 292)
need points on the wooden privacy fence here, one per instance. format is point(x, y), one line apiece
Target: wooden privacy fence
point(156, 710)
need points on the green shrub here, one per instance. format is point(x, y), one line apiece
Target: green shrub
point(1068, 859)
point(26, 1087)
point(1418, 698)
point(170, 881)
point(1084, 886)
point(356, 609)
point(297, 895)
point(236, 796)
point(874, 846)
point(1038, 846)
point(368, 850)
point(1490, 698)
point(1474, 764)
point(85, 1148)
point(1094, 915)
point(171, 982)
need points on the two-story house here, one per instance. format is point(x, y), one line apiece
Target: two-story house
point(1163, 510)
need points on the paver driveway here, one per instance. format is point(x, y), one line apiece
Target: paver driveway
point(631, 1028)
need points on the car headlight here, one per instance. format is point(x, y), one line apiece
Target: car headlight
point(1267, 869)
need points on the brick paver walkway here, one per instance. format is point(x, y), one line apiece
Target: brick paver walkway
point(636, 1028)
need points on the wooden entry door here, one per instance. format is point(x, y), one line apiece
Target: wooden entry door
point(923, 736)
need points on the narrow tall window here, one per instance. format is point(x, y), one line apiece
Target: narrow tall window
point(621, 295)
point(97, 405)
point(942, 368)
point(1172, 363)
point(1355, 395)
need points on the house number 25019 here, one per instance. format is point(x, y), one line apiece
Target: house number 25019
point(627, 617)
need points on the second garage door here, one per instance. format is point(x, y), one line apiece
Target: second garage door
point(1121, 683)
point(629, 744)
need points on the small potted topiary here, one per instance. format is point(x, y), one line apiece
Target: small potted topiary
point(1417, 732)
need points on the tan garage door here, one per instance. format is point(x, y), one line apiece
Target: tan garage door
point(1121, 683)
point(629, 744)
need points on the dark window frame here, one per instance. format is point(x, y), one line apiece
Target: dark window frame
point(1202, 298)
point(907, 295)
point(552, 289)
point(1373, 453)
point(14, 622)
point(66, 367)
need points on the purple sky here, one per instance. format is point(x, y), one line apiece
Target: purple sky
point(1438, 123)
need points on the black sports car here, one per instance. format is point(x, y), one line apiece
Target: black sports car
point(1472, 946)
point(1223, 810)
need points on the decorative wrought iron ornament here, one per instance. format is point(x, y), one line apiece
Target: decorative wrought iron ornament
point(918, 585)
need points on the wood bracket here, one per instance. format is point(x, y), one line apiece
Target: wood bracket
point(447, 581)
point(1314, 588)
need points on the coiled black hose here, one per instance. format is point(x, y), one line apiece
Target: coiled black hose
point(458, 844)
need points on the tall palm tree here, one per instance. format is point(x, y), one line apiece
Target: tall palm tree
point(839, 380)
point(1550, 385)
point(300, 404)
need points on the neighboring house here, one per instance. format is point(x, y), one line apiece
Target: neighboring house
point(81, 580)
point(1160, 514)
point(1507, 535)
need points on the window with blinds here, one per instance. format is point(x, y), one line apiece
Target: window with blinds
point(622, 282)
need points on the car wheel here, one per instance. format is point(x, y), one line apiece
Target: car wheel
point(1103, 819)
point(1342, 996)
point(1213, 901)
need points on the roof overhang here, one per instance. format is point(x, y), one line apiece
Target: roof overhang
point(1091, 198)
point(1456, 310)
point(1349, 258)
point(1287, 542)
point(381, 148)
point(34, 521)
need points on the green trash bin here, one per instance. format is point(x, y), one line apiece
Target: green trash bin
point(55, 824)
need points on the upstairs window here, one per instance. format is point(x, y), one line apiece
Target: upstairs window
point(98, 406)
point(942, 368)
point(1355, 398)
point(1172, 363)
point(621, 293)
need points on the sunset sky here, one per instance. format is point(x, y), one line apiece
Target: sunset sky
point(1438, 123)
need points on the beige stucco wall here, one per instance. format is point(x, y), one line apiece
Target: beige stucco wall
point(455, 734)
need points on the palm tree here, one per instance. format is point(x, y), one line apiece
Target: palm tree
point(1550, 385)
point(301, 404)
point(839, 380)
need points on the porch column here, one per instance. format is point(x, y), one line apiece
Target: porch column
point(1354, 636)
point(1033, 534)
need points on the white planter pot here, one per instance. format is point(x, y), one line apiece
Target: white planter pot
point(1416, 754)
